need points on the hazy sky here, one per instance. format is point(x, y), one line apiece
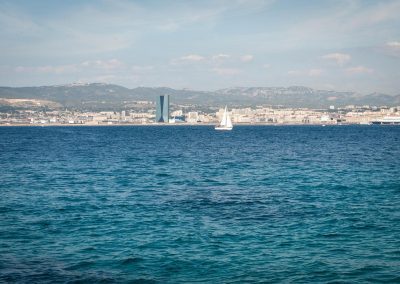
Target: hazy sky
point(204, 45)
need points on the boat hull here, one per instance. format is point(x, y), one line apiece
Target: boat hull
point(223, 128)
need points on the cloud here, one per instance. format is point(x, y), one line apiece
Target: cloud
point(221, 63)
point(221, 56)
point(247, 58)
point(49, 69)
point(145, 68)
point(310, 72)
point(169, 27)
point(89, 29)
point(339, 58)
point(315, 72)
point(216, 60)
point(393, 44)
point(111, 64)
point(359, 70)
point(392, 48)
point(191, 58)
point(226, 71)
point(346, 21)
point(13, 22)
point(294, 72)
point(104, 66)
point(379, 13)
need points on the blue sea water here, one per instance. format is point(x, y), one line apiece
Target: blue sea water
point(181, 204)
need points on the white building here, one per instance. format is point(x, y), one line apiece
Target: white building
point(192, 117)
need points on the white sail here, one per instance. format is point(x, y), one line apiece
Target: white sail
point(224, 119)
point(226, 122)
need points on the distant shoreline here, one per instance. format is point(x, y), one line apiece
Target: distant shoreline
point(172, 124)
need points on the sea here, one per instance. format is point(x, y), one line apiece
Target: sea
point(188, 204)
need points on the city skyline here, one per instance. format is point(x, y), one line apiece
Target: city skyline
point(208, 45)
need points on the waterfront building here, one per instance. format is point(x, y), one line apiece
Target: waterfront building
point(162, 112)
point(177, 113)
point(193, 117)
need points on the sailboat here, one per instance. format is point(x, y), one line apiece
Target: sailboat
point(226, 122)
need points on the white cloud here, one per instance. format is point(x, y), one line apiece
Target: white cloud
point(379, 13)
point(345, 21)
point(111, 64)
point(393, 44)
point(169, 27)
point(315, 72)
point(214, 60)
point(339, 58)
point(247, 58)
point(392, 48)
point(59, 69)
point(134, 30)
point(294, 72)
point(88, 29)
point(192, 58)
point(188, 59)
point(311, 72)
point(204, 14)
point(221, 56)
point(145, 68)
point(13, 22)
point(103, 66)
point(359, 70)
point(226, 71)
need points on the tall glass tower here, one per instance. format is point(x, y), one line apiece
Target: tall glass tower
point(162, 112)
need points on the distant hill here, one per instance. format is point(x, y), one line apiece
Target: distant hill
point(298, 96)
point(97, 96)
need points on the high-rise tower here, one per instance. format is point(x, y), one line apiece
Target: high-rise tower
point(162, 112)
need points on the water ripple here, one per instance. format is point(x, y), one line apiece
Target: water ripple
point(187, 204)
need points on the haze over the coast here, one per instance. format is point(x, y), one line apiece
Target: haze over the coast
point(203, 45)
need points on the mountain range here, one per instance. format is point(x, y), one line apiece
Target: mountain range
point(99, 96)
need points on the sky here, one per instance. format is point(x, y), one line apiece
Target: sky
point(343, 45)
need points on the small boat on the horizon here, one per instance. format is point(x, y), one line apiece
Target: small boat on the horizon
point(226, 122)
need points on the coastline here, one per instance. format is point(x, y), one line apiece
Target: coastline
point(169, 124)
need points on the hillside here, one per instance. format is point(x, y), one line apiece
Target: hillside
point(98, 96)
